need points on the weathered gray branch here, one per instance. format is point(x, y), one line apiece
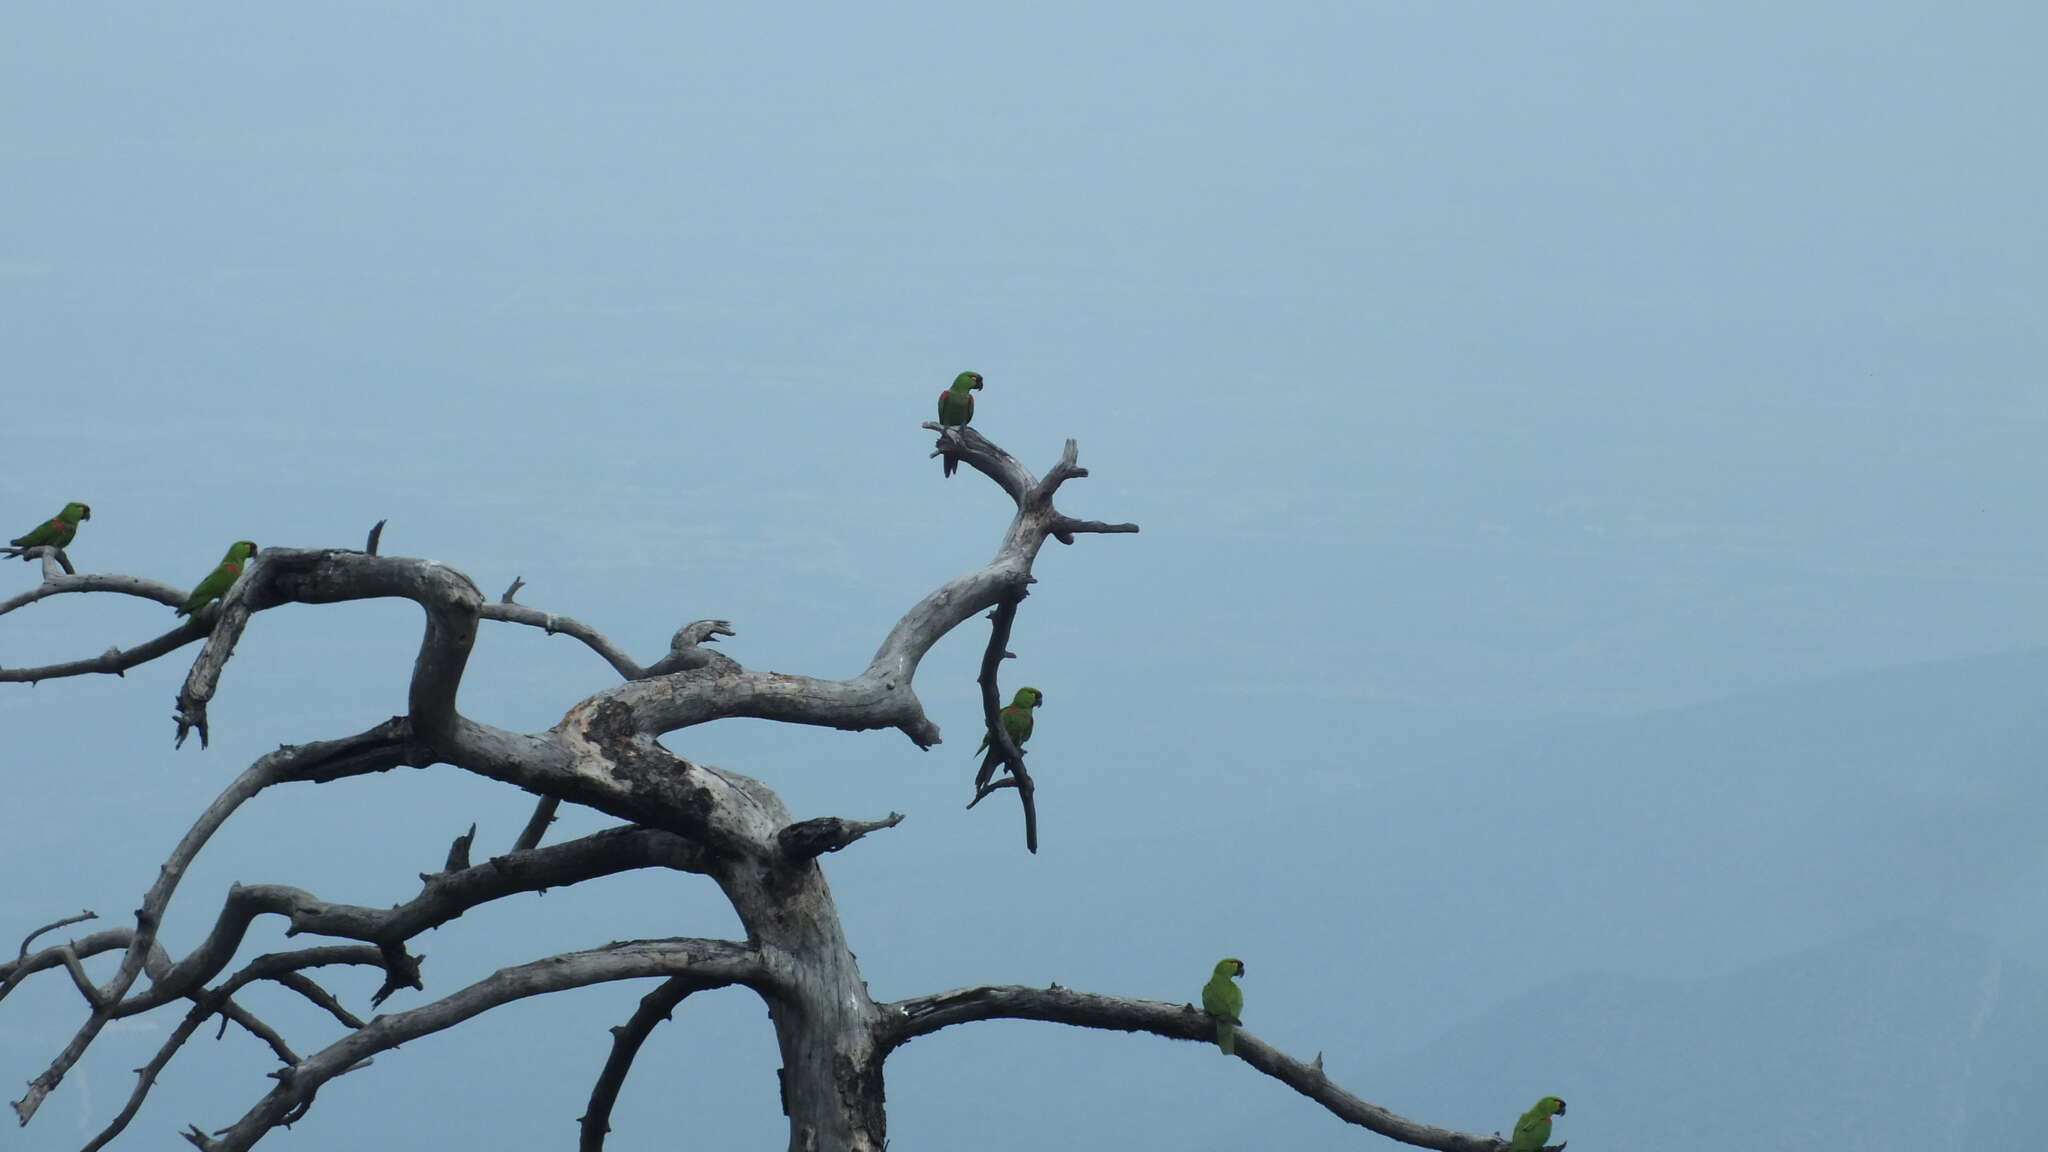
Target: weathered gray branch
point(548, 622)
point(55, 560)
point(59, 584)
point(537, 824)
point(712, 963)
point(443, 897)
point(686, 650)
point(52, 926)
point(1012, 756)
point(326, 576)
point(810, 839)
point(905, 1020)
point(655, 1007)
point(114, 661)
point(280, 966)
point(386, 746)
point(881, 696)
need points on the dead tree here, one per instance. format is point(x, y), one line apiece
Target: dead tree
point(677, 814)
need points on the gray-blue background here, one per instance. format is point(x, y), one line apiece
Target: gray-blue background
point(1587, 635)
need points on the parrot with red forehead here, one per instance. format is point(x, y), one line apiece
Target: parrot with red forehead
point(57, 532)
point(1016, 720)
point(1225, 1001)
point(956, 406)
point(219, 580)
point(1532, 1131)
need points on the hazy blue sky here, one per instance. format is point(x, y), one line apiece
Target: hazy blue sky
point(1475, 370)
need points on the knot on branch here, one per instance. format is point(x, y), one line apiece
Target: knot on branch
point(458, 854)
point(809, 839)
point(401, 970)
point(686, 652)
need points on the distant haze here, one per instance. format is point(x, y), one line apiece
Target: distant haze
point(1587, 634)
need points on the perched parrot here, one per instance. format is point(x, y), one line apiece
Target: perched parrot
point(1225, 1001)
point(219, 580)
point(956, 406)
point(1016, 718)
point(1532, 1131)
point(58, 531)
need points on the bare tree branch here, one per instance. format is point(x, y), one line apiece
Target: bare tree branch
point(686, 650)
point(458, 852)
point(55, 560)
point(383, 747)
point(116, 661)
point(881, 696)
point(537, 824)
point(105, 940)
point(813, 838)
point(376, 537)
point(325, 576)
point(905, 1020)
point(655, 1007)
point(444, 897)
point(52, 926)
point(58, 585)
point(320, 997)
point(280, 966)
point(552, 624)
point(991, 712)
point(712, 963)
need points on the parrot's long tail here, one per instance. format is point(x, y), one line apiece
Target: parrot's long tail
point(988, 770)
point(1226, 1036)
point(952, 463)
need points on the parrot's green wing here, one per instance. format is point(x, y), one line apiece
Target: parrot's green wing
point(1016, 720)
point(219, 580)
point(956, 406)
point(56, 532)
point(1532, 1131)
point(1224, 1000)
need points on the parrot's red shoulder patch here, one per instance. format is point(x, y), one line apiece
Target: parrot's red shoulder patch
point(231, 566)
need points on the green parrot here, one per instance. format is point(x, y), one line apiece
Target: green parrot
point(219, 580)
point(1225, 1001)
point(1532, 1131)
point(956, 406)
point(57, 532)
point(1016, 718)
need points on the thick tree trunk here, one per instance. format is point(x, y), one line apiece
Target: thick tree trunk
point(831, 1074)
point(824, 1019)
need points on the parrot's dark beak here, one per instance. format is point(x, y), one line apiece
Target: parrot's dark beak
point(85, 513)
point(1560, 1106)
